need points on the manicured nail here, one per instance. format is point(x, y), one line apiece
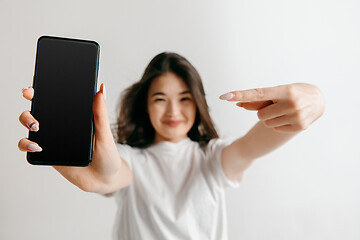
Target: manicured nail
point(22, 90)
point(33, 147)
point(227, 96)
point(104, 91)
point(33, 126)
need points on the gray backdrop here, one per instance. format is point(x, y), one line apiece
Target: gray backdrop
point(308, 189)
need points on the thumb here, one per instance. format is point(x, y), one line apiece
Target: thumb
point(101, 118)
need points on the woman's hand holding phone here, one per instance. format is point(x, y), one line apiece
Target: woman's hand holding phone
point(107, 172)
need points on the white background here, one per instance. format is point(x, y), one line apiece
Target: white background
point(308, 189)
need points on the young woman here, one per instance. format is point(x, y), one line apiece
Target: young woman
point(168, 168)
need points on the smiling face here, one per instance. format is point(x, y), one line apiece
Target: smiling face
point(171, 108)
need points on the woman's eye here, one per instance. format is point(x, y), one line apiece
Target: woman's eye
point(185, 99)
point(159, 99)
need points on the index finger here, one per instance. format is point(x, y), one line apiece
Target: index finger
point(28, 93)
point(255, 94)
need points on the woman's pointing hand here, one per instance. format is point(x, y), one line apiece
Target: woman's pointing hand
point(285, 108)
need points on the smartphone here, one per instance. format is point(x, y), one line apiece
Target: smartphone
point(65, 82)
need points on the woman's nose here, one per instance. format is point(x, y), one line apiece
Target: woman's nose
point(173, 109)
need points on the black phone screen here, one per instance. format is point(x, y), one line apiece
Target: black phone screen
point(64, 85)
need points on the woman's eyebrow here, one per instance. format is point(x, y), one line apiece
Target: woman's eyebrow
point(161, 93)
point(157, 93)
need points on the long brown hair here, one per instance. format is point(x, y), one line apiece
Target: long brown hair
point(133, 126)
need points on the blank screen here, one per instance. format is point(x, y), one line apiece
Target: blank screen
point(65, 83)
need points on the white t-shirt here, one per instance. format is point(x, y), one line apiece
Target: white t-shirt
point(177, 192)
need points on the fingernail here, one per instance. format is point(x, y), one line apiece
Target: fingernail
point(33, 147)
point(227, 96)
point(104, 91)
point(22, 90)
point(33, 126)
point(239, 104)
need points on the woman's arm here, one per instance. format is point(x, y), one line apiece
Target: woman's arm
point(283, 111)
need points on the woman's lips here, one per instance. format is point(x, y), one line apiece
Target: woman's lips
point(172, 123)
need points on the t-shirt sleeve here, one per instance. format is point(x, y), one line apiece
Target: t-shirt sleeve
point(214, 150)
